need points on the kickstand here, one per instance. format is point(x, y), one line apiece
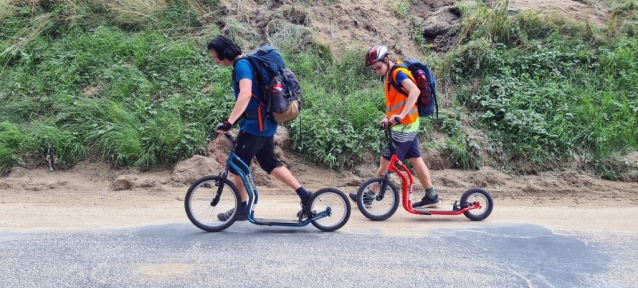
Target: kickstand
point(303, 216)
point(456, 206)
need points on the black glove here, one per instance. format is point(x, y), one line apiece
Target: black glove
point(224, 126)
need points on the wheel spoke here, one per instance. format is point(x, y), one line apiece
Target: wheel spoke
point(339, 209)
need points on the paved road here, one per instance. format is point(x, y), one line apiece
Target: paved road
point(180, 255)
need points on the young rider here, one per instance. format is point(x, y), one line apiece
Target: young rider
point(404, 133)
point(251, 141)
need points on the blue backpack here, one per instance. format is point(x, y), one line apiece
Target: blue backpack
point(280, 86)
point(423, 78)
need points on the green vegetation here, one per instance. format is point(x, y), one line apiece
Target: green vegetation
point(134, 84)
point(550, 92)
point(137, 98)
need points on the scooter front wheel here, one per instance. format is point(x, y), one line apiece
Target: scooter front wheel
point(372, 205)
point(212, 203)
point(483, 198)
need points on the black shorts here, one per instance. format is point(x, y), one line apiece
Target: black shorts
point(250, 146)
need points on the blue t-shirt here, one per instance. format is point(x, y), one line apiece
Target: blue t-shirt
point(243, 70)
point(401, 76)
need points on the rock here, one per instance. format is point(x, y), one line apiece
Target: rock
point(442, 22)
point(187, 171)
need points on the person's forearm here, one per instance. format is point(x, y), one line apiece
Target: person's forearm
point(240, 107)
point(409, 103)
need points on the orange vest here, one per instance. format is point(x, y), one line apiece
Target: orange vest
point(394, 100)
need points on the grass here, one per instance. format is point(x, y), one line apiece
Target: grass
point(336, 123)
point(133, 81)
point(550, 98)
point(147, 107)
point(12, 145)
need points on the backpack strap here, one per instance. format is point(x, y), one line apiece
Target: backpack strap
point(235, 64)
point(392, 80)
point(233, 74)
point(258, 113)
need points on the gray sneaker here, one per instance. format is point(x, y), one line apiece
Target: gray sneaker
point(426, 202)
point(368, 198)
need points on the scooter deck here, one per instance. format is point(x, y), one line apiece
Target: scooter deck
point(439, 211)
point(434, 210)
point(265, 221)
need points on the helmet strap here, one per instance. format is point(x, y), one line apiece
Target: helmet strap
point(387, 63)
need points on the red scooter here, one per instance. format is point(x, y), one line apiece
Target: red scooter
point(378, 197)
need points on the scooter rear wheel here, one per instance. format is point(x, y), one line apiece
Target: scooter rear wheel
point(339, 209)
point(483, 198)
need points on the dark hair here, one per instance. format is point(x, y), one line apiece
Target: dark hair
point(224, 47)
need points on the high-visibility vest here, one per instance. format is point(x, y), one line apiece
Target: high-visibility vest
point(394, 100)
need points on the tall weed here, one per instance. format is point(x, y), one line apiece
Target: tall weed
point(12, 145)
point(49, 142)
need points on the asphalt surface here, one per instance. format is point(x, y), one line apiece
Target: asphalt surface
point(180, 255)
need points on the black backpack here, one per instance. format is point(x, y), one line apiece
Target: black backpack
point(280, 86)
point(423, 78)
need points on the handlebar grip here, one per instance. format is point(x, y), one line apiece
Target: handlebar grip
point(227, 135)
point(396, 119)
